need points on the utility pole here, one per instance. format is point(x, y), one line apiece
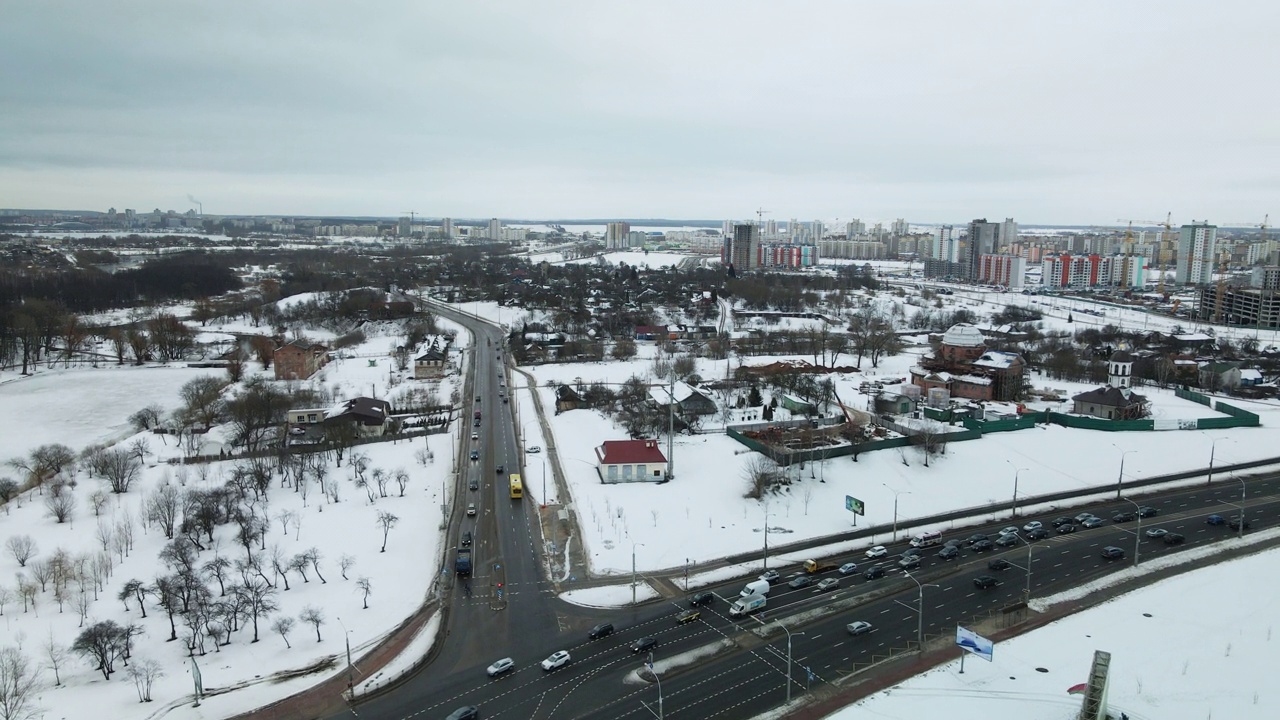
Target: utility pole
point(671, 426)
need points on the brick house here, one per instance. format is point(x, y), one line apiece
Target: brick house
point(967, 369)
point(299, 359)
point(433, 362)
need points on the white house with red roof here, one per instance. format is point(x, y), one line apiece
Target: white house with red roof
point(630, 461)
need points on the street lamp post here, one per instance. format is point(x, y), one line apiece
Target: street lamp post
point(1029, 546)
point(896, 493)
point(633, 570)
point(351, 687)
point(766, 538)
point(659, 681)
point(1016, 472)
point(1120, 477)
point(1137, 534)
point(920, 615)
point(788, 632)
point(1240, 529)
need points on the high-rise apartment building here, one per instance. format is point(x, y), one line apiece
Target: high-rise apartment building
point(1008, 233)
point(816, 231)
point(984, 239)
point(771, 229)
point(899, 227)
point(617, 236)
point(495, 229)
point(742, 248)
point(446, 228)
point(1005, 270)
point(946, 246)
point(1196, 247)
point(854, 227)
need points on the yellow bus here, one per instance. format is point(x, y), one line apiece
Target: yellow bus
point(517, 489)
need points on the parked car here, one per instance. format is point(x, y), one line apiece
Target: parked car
point(1111, 552)
point(1216, 520)
point(1033, 525)
point(1156, 533)
point(982, 582)
point(1094, 522)
point(983, 546)
point(555, 660)
point(688, 616)
point(644, 644)
point(800, 582)
point(858, 627)
point(1123, 517)
point(1009, 540)
point(1147, 511)
point(998, 564)
point(533, 449)
point(828, 584)
point(1037, 534)
point(949, 553)
point(1066, 528)
point(770, 576)
point(878, 551)
point(599, 631)
point(702, 598)
point(503, 665)
point(848, 568)
point(1174, 539)
point(873, 572)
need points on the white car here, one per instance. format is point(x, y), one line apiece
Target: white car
point(1033, 525)
point(532, 449)
point(475, 436)
point(1011, 530)
point(503, 665)
point(859, 627)
point(557, 658)
point(878, 551)
point(828, 584)
point(471, 508)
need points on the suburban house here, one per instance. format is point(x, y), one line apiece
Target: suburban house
point(566, 399)
point(1220, 375)
point(630, 461)
point(964, 366)
point(299, 359)
point(1111, 403)
point(433, 362)
point(689, 400)
point(370, 416)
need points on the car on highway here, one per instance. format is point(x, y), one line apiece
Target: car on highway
point(598, 631)
point(982, 582)
point(502, 666)
point(1156, 533)
point(770, 576)
point(471, 508)
point(1060, 521)
point(475, 455)
point(873, 572)
point(953, 542)
point(982, 546)
point(828, 584)
point(475, 423)
point(1033, 525)
point(858, 627)
point(878, 551)
point(1216, 520)
point(687, 616)
point(1147, 511)
point(1066, 528)
point(949, 553)
point(501, 469)
point(702, 598)
point(1094, 522)
point(556, 659)
point(1111, 552)
point(848, 568)
point(998, 564)
point(974, 539)
point(907, 562)
point(1174, 539)
point(477, 398)
point(475, 436)
point(1123, 517)
point(1011, 530)
point(473, 485)
point(469, 712)
point(800, 582)
point(1008, 540)
point(1037, 534)
point(644, 644)
point(533, 449)
point(466, 539)
point(913, 552)
point(1234, 523)
point(1083, 516)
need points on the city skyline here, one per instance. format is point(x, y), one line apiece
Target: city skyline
point(661, 110)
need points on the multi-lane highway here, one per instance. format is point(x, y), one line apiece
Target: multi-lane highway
point(748, 675)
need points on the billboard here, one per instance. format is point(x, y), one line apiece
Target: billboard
point(974, 643)
point(854, 505)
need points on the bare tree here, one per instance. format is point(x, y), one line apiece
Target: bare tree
point(163, 508)
point(761, 473)
point(6, 595)
point(59, 503)
point(119, 468)
point(299, 564)
point(931, 438)
point(103, 643)
point(313, 615)
point(282, 626)
point(19, 683)
point(314, 556)
point(345, 563)
point(42, 571)
point(22, 547)
point(144, 672)
point(387, 521)
point(402, 479)
point(56, 653)
point(364, 586)
point(97, 501)
point(258, 599)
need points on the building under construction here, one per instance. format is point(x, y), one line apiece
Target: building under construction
point(1237, 305)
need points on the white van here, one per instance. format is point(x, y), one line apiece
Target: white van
point(926, 539)
point(755, 587)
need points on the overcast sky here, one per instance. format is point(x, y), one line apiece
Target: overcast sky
point(1048, 112)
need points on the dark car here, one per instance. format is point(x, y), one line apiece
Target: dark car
point(1216, 520)
point(1007, 540)
point(873, 573)
point(954, 542)
point(473, 485)
point(1234, 523)
point(1066, 528)
point(466, 539)
point(982, 546)
point(950, 552)
point(702, 598)
point(1147, 511)
point(1060, 521)
point(600, 631)
point(982, 582)
point(1174, 539)
point(998, 564)
point(974, 538)
point(477, 398)
point(644, 644)
point(912, 552)
point(476, 423)
point(470, 712)
point(800, 582)
point(1122, 517)
point(1112, 552)
point(502, 469)
point(1037, 534)
point(475, 454)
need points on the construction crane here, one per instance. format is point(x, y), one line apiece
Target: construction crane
point(412, 216)
point(760, 212)
point(1167, 224)
point(1128, 253)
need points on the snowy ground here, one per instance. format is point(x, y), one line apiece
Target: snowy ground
point(86, 406)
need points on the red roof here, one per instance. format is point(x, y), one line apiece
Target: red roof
point(630, 452)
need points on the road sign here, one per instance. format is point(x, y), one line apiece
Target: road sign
point(971, 641)
point(854, 505)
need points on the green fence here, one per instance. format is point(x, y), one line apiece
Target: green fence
point(1193, 396)
point(1092, 423)
point(1244, 418)
point(1022, 422)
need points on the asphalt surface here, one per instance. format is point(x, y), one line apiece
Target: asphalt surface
point(510, 610)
